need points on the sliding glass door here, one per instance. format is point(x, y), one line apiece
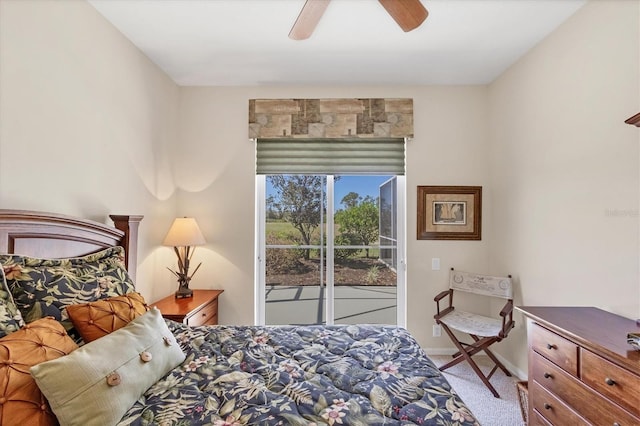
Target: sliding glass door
point(330, 249)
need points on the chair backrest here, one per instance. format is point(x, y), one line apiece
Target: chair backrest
point(485, 285)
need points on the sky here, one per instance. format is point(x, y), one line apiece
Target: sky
point(363, 185)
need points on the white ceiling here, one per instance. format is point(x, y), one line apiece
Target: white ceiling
point(245, 42)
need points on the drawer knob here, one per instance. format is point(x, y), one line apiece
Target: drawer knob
point(616, 424)
point(550, 346)
point(609, 381)
point(547, 406)
point(547, 376)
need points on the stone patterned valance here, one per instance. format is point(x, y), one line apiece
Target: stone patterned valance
point(330, 118)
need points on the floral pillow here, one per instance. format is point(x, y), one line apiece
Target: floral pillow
point(45, 287)
point(10, 317)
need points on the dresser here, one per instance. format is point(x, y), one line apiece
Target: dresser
point(201, 309)
point(582, 371)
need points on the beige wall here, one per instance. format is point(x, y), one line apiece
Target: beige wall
point(564, 167)
point(215, 166)
point(89, 127)
point(86, 122)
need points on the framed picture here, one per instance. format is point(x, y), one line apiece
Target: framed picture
point(449, 212)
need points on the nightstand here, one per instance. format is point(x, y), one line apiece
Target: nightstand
point(201, 309)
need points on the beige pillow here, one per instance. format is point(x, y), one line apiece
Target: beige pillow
point(97, 319)
point(100, 381)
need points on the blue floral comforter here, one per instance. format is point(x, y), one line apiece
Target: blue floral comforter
point(300, 375)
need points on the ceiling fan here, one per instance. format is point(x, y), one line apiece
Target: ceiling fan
point(409, 14)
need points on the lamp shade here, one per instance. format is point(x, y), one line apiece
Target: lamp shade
point(184, 232)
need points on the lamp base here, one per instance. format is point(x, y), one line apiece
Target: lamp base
point(184, 292)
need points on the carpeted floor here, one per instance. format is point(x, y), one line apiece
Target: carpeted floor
point(490, 411)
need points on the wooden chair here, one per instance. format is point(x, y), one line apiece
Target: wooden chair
point(485, 331)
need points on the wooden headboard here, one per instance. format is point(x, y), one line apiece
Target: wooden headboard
point(50, 235)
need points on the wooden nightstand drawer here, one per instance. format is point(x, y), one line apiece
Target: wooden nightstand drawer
point(555, 348)
point(610, 380)
point(201, 309)
point(207, 315)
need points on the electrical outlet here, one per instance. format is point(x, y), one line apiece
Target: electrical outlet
point(437, 330)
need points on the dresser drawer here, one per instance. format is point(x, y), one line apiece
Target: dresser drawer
point(591, 406)
point(536, 419)
point(610, 380)
point(207, 315)
point(558, 349)
point(553, 410)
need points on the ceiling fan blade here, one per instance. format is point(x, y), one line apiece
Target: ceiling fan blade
point(409, 14)
point(308, 19)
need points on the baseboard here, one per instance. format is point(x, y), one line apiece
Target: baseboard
point(521, 375)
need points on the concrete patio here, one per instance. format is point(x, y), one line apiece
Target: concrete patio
point(358, 304)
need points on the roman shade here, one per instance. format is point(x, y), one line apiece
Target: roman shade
point(360, 156)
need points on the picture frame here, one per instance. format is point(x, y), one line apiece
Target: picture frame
point(449, 213)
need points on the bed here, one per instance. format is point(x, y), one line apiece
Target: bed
point(179, 374)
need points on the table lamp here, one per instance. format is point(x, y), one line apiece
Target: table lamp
point(183, 236)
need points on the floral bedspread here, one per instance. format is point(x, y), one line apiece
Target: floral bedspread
point(299, 375)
